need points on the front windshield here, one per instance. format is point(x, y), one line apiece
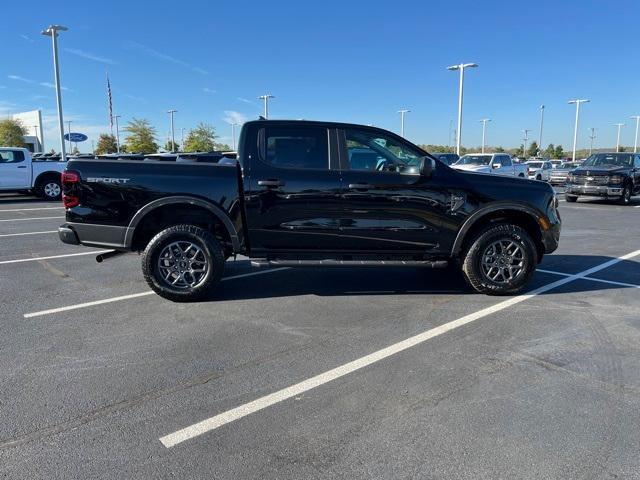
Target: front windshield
point(609, 159)
point(474, 160)
point(535, 164)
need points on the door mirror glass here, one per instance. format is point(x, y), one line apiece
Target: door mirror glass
point(427, 167)
point(497, 165)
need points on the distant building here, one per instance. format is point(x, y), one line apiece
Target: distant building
point(32, 121)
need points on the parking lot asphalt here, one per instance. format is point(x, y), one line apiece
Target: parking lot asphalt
point(320, 373)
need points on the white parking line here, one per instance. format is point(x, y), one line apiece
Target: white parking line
point(134, 295)
point(25, 219)
point(35, 259)
point(31, 209)
point(601, 280)
point(26, 233)
point(229, 416)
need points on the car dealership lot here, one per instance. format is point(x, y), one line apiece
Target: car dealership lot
point(544, 385)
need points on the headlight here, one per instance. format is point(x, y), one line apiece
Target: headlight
point(616, 179)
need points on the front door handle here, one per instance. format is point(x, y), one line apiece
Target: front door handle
point(360, 186)
point(270, 183)
point(22, 166)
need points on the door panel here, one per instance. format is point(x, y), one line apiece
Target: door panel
point(293, 197)
point(15, 171)
point(388, 206)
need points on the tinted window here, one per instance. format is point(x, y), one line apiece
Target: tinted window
point(505, 160)
point(615, 159)
point(11, 156)
point(637, 161)
point(296, 147)
point(370, 150)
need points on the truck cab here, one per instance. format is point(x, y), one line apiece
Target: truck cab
point(20, 172)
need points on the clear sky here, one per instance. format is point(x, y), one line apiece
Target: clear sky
point(354, 61)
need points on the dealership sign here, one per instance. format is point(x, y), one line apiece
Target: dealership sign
point(75, 137)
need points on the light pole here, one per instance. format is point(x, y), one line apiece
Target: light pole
point(52, 31)
point(592, 138)
point(619, 125)
point(402, 113)
point(265, 99)
point(460, 67)
point(635, 143)
point(484, 128)
point(541, 125)
point(69, 133)
point(116, 117)
point(526, 139)
point(182, 138)
point(173, 133)
point(577, 102)
point(233, 134)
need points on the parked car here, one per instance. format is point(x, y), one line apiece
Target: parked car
point(447, 158)
point(560, 175)
point(490, 163)
point(556, 163)
point(606, 175)
point(539, 170)
point(19, 172)
point(297, 198)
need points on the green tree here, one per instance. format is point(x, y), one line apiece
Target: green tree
point(559, 152)
point(142, 136)
point(171, 147)
point(201, 139)
point(222, 147)
point(520, 151)
point(106, 144)
point(532, 151)
point(12, 133)
point(621, 149)
point(550, 151)
point(499, 150)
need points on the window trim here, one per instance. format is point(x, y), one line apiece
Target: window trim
point(262, 148)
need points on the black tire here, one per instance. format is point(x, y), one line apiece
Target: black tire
point(521, 175)
point(625, 199)
point(49, 188)
point(538, 177)
point(482, 242)
point(195, 287)
point(570, 198)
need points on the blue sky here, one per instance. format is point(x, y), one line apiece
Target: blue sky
point(355, 61)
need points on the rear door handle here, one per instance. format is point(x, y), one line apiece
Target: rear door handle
point(360, 186)
point(270, 183)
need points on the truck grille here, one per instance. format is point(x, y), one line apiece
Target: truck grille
point(589, 179)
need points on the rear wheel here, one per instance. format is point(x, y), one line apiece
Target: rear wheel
point(570, 198)
point(500, 260)
point(49, 188)
point(183, 263)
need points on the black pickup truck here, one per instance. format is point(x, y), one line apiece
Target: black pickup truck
point(311, 193)
point(605, 175)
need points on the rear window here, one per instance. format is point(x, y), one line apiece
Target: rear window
point(296, 147)
point(11, 156)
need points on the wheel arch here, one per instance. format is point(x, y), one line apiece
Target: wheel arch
point(45, 175)
point(518, 214)
point(176, 201)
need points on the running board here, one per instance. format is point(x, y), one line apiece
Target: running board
point(261, 262)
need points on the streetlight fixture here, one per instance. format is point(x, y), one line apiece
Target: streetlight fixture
point(541, 125)
point(173, 133)
point(577, 103)
point(265, 98)
point(592, 137)
point(635, 143)
point(402, 113)
point(52, 31)
point(619, 125)
point(116, 117)
point(484, 128)
point(526, 139)
point(460, 67)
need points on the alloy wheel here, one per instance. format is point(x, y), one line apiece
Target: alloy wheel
point(52, 190)
point(503, 261)
point(183, 265)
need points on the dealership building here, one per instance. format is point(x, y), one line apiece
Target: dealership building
point(32, 122)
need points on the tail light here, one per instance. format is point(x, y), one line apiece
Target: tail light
point(69, 178)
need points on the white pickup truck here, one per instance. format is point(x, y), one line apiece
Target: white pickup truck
point(19, 172)
point(491, 163)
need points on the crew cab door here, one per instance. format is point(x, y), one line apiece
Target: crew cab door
point(388, 206)
point(293, 195)
point(15, 171)
point(635, 172)
point(505, 165)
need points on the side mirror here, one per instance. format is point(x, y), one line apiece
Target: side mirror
point(427, 167)
point(497, 165)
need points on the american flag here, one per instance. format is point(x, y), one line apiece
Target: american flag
point(110, 105)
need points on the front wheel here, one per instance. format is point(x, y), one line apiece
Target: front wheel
point(570, 198)
point(625, 199)
point(500, 260)
point(183, 263)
